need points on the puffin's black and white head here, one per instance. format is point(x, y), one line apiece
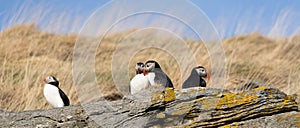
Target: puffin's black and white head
point(201, 71)
point(150, 65)
point(51, 80)
point(139, 67)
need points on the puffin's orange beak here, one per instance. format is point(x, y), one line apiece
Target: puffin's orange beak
point(43, 79)
point(208, 76)
point(144, 72)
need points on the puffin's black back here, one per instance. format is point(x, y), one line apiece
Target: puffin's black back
point(163, 79)
point(194, 80)
point(64, 97)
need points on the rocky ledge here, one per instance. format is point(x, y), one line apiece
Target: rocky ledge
point(194, 107)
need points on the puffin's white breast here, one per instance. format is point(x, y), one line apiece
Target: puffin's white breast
point(51, 94)
point(150, 76)
point(138, 83)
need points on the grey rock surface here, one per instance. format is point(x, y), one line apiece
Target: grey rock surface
point(195, 107)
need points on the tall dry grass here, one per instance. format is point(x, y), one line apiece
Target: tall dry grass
point(28, 53)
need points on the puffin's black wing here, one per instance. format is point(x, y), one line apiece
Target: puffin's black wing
point(162, 78)
point(190, 82)
point(169, 83)
point(194, 81)
point(64, 97)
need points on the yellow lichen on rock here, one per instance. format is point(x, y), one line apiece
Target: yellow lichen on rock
point(246, 99)
point(288, 99)
point(216, 108)
point(207, 102)
point(169, 95)
point(160, 115)
point(231, 99)
point(261, 88)
point(183, 108)
point(201, 90)
point(233, 125)
point(156, 97)
point(163, 96)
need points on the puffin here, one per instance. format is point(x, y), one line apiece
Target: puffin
point(156, 76)
point(196, 78)
point(139, 81)
point(53, 94)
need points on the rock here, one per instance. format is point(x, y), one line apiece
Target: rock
point(194, 107)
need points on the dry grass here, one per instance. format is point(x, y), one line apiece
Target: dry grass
point(27, 54)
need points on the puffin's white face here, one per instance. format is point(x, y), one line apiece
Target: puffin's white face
point(149, 66)
point(201, 72)
point(139, 67)
point(50, 79)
